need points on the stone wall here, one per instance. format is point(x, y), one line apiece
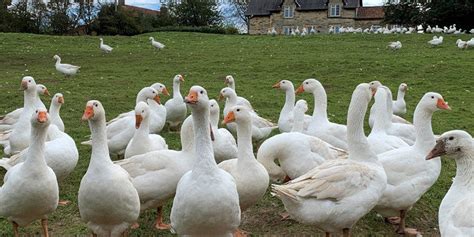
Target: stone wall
point(259, 25)
point(367, 23)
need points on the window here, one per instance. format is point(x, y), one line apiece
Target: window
point(335, 10)
point(286, 30)
point(288, 12)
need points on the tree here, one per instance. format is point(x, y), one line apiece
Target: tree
point(448, 12)
point(197, 13)
point(240, 8)
point(404, 13)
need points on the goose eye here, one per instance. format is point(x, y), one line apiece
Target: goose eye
point(451, 138)
point(202, 92)
point(459, 149)
point(153, 92)
point(238, 110)
point(283, 82)
point(432, 97)
point(96, 105)
point(29, 80)
point(307, 83)
point(143, 111)
point(36, 111)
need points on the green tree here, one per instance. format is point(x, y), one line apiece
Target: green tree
point(197, 13)
point(448, 12)
point(404, 13)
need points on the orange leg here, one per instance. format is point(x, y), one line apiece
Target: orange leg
point(15, 229)
point(402, 229)
point(63, 202)
point(44, 224)
point(159, 220)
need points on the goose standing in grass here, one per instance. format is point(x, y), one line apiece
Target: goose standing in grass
point(176, 109)
point(297, 153)
point(399, 105)
point(336, 194)
point(206, 200)
point(456, 210)
point(333, 133)
point(409, 174)
point(378, 138)
point(230, 82)
point(108, 202)
point(64, 68)
point(224, 144)
point(105, 48)
point(250, 176)
point(286, 120)
point(142, 141)
point(395, 45)
point(436, 41)
point(30, 189)
point(156, 44)
point(54, 108)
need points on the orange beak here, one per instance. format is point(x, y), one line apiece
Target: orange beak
point(61, 100)
point(181, 78)
point(42, 117)
point(46, 92)
point(88, 113)
point(374, 90)
point(300, 89)
point(192, 97)
point(165, 92)
point(229, 118)
point(157, 99)
point(221, 96)
point(138, 120)
point(441, 104)
point(24, 85)
point(277, 85)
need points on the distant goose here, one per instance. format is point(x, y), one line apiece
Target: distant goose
point(64, 68)
point(436, 41)
point(156, 44)
point(105, 48)
point(395, 45)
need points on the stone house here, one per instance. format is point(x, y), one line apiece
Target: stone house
point(285, 15)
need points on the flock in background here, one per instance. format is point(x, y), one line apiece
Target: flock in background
point(328, 175)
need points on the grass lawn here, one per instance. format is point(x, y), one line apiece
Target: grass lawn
point(340, 62)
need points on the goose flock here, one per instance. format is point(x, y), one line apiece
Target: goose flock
point(326, 174)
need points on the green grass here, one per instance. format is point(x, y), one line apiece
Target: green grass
point(340, 62)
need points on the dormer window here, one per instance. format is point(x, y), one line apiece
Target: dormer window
point(288, 11)
point(335, 10)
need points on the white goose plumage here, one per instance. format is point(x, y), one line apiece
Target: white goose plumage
point(105, 48)
point(286, 120)
point(64, 68)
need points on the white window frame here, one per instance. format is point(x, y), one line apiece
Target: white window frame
point(288, 12)
point(286, 30)
point(335, 10)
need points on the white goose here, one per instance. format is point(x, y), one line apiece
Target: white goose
point(54, 108)
point(336, 194)
point(455, 211)
point(224, 144)
point(64, 68)
point(395, 45)
point(105, 48)
point(230, 82)
point(142, 141)
point(19, 137)
point(176, 109)
point(297, 153)
point(436, 41)
point(285, 121)
point(333, 133)
point(104, 213)
point(399, 105)
point(378, 138)
point(155, 175)
point(156, 44)
point(405, 131)
point(261, 128)
point(30, 190)
point(406, 186)
point(195, 211)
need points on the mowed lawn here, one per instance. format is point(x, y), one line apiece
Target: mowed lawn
point(340, 62)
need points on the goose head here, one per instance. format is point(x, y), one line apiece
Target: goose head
point(227, 92)
point(301, 106)
point(238, 114)
point(58, 99)
point(151, 39)
point(403, 87)
point(93, 111)
point(40, 118)
point(141, 112)
point(432, 101)
point(213, 107)
point(229, 80)
point(197, 98)
point(178, 79)
point(284, 85)
point(101, 40)
point(28, 83)
point(374, 85)
point(308, 85)
point(56, 57)
point(42, 90)
point(455, 143)
point(149, 93)
point(160, 88)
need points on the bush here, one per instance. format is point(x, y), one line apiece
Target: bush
point(120, 22)
point(202, 29)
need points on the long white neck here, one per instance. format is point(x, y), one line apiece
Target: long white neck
point(289, 100)
point(298, 121)
point(100, 151)
point(187, 135)
point(58, 61)
point(425, 139)
point(400, 95)
point(465, 169)
point(143, 131)
point(389, 102)
point(244, 143)
point(30, 96)
point(359, 148)
point(381, 115)
point(176, 92)
point(141, 97)
point(214, 118)
point(202, 140)
point(231, 84)
point(320, 104)
point(232, 99)
point(35, 157)
point(54, 109)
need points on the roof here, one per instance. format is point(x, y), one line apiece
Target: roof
point(370, 13)
point(145, 11)
point(266, 7)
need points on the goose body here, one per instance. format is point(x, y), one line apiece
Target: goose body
point(455, 211)
point(176, 109)
point(230, 82)
point(104, 213)
point(286, 120)
point(406, 186)
point(336, 194)
point(399, 105)
point(224, 144)
point(142, 141)
point(436, 41)
point(195, 211)
point(333, 133)
point(156, 44)
point(56, 102)
point(64, 68)
point(30, 189)
point(395, 45)
point(105, 48)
